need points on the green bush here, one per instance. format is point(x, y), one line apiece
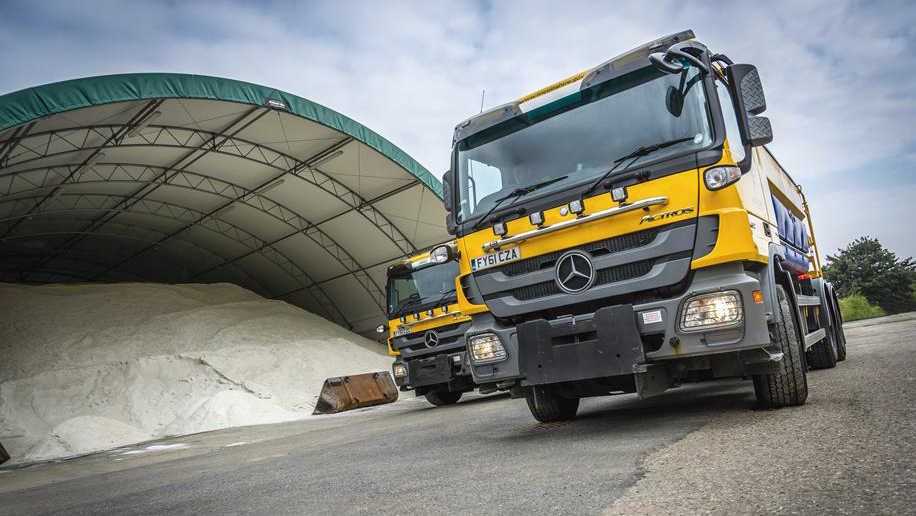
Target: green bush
point(857, 307)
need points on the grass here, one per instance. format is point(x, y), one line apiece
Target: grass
point(857, 307)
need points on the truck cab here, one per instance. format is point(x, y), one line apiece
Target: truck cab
point(626, 230)
point(426, 325)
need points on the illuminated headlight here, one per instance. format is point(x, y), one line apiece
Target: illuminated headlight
point(486, 347)
point(717, 178)
point(499, 229)
point(381, 328)
point(576, 206)
point(708, 311)
point(399, 370)
point(440, 254)
point(619, 194)
point(536, 218)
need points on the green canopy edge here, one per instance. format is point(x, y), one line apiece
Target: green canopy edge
point(23, 106)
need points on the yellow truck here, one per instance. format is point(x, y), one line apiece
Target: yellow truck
point(625, 230)
point(426, 326)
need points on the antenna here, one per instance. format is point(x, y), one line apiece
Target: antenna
point(483, 95)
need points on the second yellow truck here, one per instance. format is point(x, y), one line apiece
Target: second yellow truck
point(426, 326)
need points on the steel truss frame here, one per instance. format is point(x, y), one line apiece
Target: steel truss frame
point(23, 148)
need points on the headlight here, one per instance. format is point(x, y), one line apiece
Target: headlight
point(717, 178)
point(381, 328)
point(486, 347)
point(707, 311)
point(440, 254)
point(399, 370)
point(499, 229)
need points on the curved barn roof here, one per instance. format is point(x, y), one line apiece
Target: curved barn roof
point(187, 178)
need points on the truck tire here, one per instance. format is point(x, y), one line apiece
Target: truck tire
point(547, 406)
point(823, 355)
point(788, 386)
point(440, 398)
point(840, 334)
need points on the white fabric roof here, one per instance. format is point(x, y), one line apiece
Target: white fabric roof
point(160, 182)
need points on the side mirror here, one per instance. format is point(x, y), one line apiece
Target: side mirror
point(448, 197)
point(744, 81)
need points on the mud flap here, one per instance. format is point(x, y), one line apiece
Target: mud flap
point(352, 392)
point(651, 379)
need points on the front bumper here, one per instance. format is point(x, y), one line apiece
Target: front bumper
point(605, 343)
point(443, 368)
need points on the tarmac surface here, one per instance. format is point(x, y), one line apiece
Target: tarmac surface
point(697, 449)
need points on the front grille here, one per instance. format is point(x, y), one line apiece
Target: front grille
point(608, 275)
point(598, 248)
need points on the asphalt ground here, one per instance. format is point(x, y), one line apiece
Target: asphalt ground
point(697, 449)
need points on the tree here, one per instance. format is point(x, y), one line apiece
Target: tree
point(865, 267)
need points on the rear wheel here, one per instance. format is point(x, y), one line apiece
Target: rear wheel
point(823, 355)
point(787, 386)
point(440, 398)
point(840, 334)
point(547, 405)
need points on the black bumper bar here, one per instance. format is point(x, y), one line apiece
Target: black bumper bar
point(564, 351)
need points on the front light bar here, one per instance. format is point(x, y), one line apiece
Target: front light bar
point(543, 230)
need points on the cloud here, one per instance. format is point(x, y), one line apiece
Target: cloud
point(838, 74)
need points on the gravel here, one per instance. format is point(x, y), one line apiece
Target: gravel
point(851, 449)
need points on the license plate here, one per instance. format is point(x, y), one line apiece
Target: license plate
point(498, 258)
point(399, 333)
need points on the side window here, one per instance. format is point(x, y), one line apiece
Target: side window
point(484, 180)
point(731, 122)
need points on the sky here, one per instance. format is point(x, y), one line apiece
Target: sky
point(839, 75)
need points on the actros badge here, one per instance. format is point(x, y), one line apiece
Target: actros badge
point(666, 215)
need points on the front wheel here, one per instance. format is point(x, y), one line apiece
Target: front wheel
point(440, 398)
point(547, 405)
point(787, 386)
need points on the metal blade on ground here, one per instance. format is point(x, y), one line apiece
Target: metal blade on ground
point(342, 393)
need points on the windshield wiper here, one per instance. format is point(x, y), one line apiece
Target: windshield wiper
point(444, 297)
point(411, 300)
point(522, 190)
point(635, 155)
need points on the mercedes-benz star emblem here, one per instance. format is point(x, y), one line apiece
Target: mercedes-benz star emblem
point(431, 339)
point(574, 272)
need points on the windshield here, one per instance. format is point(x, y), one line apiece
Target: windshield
point(422, 289)
point(580, 136)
